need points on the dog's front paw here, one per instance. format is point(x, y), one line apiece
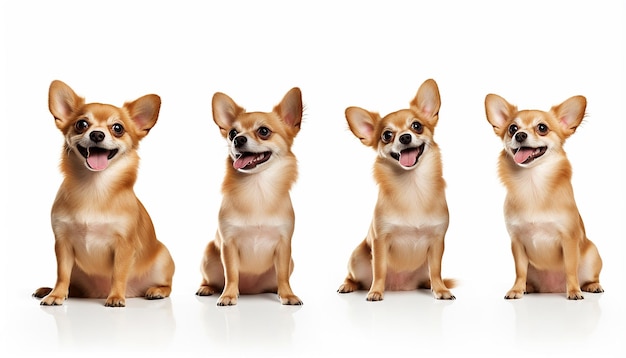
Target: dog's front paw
point(115, 301)
point(514, 294)
point(374, 296)
point(444, 295)
point(593, 287)
point(291, 300)
point(53, 300)
point(574, 295)
point(227, 300)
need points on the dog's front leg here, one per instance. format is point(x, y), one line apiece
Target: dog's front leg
point(230, 261)
point(65, 263)
point(282, 263)
point(521, 270)
point(571, 257)
point(379, 269)
point(122, 262)
point(435, 255)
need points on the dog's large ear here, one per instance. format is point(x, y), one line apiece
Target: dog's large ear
point(225, 110)
point(63, 103)
point(427, 102)
point(144, 111)
point(290, 109)
point(362, 123)
point(570, 113)
point(498, 111)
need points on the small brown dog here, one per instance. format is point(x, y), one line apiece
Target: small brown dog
point(550, 247)
point(251, 252)
point(105, 242)
point(404, 247)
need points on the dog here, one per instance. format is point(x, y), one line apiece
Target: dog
point(251, 252)
point(550, 247)
point(404, 247)
point(105, 242)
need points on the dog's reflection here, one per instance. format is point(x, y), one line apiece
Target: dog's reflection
point(549, 319)
point(256, 324)
point(86, 324)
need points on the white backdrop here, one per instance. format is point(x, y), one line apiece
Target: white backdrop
point(351, 53)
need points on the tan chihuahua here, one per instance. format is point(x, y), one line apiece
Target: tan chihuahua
point(550, 248)
point(105, 242)
point(404, 246)
point(251, 252)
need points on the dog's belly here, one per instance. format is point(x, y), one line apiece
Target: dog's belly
point(542, 243)
point(257, 247)
point(406, 280)
point(92, 243)
point(545, 281)
point(408, 248)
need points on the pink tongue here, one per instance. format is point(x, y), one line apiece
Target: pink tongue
point(243, 161)
point(408, 157)
point(523, 154)
point(98, 160)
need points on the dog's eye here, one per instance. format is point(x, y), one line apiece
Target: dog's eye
point(264, 132)
point(81, 125)
point(542, 129)
point(232, 134)
point(417, 127)
point(387, 136)
point(513, 129)
point(118, 130)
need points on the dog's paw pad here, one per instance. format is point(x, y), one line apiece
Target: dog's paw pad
point(375, 296)
point(345, 288)
point(157, 293)
point(593, 288)
point(227, 301)
point(205, 291)
point(575, 295)
point(115, 302)
point(447, 295)
point(514, 294)
point(291, 301)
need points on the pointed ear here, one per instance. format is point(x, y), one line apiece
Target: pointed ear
point(570, 113)
point(290, 108)
point(63, 102)
point(362, 123)
point(225, 110)
point(427, 101)
point(144, 111)
point(498, 111)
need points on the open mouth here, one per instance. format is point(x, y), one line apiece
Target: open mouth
point(249, 160)
point(408, 157)
point(97, 158)
point(525, 155)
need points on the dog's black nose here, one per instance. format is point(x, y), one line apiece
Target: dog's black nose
point(240, 141)
point(520, 137)
point(97, 136)
point(405, 138)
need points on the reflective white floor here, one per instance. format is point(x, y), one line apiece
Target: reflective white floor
point(479, 323)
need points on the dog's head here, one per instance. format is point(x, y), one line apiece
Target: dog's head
point(531, 135)
point(256, 139)
point(97, 134)
point(402, 136)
